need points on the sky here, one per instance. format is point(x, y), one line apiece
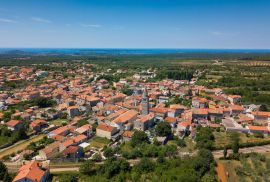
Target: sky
point(219, 24)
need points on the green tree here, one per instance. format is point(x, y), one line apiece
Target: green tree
point(3, 171)
point(88, 167)
point(163, 129)
point(144, 166)
point(138, 138)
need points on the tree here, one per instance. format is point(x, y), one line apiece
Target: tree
point(145, 165)
point(96, 157)
point(108, 152)
point(3, 172)
point(163, 129)
point(204, 138)
point(181, 143)
point(88, 167)
point(225, 152)
point(138, 138)
point(263, 107)
point(235, 142)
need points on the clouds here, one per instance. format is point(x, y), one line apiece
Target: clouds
point(90, 25)
point(218, 33)
point(40, 20)
point(4, 20)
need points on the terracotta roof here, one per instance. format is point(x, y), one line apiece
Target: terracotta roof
point(71, 150)
point(30, 171)
point(105, 127)
point(84, 128)
point(79, 138)
point(162, 110)
point(37, 122)
point(258, 128)
point(185, 123)
point(125, 117)
point(13, 123)
point(170, 119)
point(237, 107)
point(260, 113)
point(145, 118)
point(128, 134)
point(200, 111)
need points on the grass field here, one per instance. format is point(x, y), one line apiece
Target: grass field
point(255, 167)
point(99, 142)
point(21, 145)
point(223, 138)
point(58, 122)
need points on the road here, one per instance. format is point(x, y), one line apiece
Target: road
point(12, 166)
point(21, 145)
point(258, 149)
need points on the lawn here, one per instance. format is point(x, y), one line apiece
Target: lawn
point(98, 142)
point(223, 138)
point(190, 145)
point(58, 122)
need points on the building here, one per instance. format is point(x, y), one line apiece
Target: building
point(38, 125)
point(145, 103)
point(73, 111)
point(144, 122)
point(32, 172)
point(127, 135)
point(107, 131)
point(73, 152)
point(234, 98)
point(14, 125)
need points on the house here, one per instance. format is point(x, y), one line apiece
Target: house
point(127, 135)
point(73, 111)
point(14, 125)
point(199, 114)
point(73, 152)
point(172, 121)
point(50, 151)
point(38, 125)
point(32, 172)
point(126, 117)
point(183, 127)
point(215, 113)
point(199, 102)
point(236, 109)
point(234, 98)
point(259, 129)
point(85, 129)
point(107, 131)
point(261, 116)
point(175, 110)
point(160, 112)
point(63, 131)
point(144, 122)
point(87, 100)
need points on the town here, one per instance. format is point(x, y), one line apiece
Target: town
point(73, 115)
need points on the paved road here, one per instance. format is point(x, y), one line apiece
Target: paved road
point(258, 149)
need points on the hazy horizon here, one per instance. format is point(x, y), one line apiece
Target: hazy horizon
point(135, 24)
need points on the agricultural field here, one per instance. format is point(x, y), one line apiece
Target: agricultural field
point(250, 168)
point(222, 139)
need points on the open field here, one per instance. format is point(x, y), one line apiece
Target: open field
point(21, 145)
point(98, 142)
point(223, 138)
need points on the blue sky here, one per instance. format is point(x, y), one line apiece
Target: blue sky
point(135, 23)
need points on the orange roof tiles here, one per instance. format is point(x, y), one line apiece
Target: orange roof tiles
point(105, 127)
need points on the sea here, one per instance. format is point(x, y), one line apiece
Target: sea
point(124, 51)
